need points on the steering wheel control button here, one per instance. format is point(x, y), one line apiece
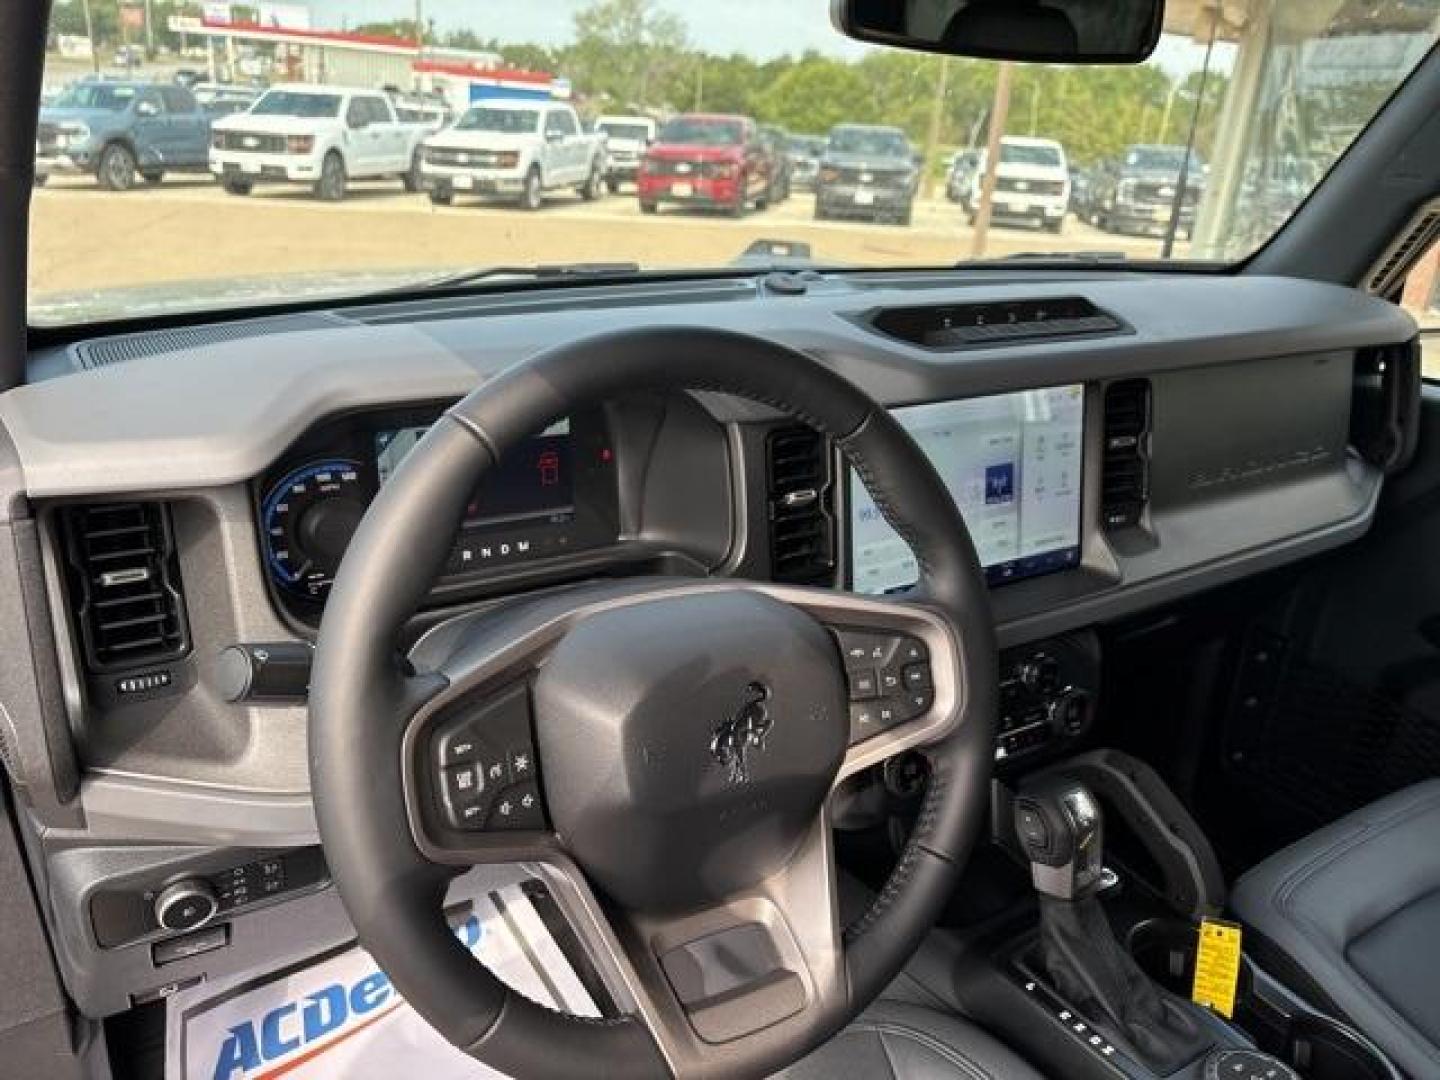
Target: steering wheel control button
point(917, 676)
point(459, 746)
point(518, 807)
point(186, 905)
point(484, 757)
point(890, 673)
point(863, 685)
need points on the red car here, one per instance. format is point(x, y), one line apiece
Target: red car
point(706, 160)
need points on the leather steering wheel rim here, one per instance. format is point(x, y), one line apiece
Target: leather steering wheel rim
point(362, 694)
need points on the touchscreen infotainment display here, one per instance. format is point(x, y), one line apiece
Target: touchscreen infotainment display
point(534, 480)
point(1012, 463)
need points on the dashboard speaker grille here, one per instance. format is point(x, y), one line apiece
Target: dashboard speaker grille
point(800, 495)
point(122, 348)
point(125, 584)
point(1125, 475)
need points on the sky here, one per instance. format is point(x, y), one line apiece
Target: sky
point(762, 29)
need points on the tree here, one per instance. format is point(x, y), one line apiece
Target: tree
point(627, 50)
point(815, 95)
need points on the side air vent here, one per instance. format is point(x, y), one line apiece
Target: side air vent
point(122, 348)
point(802, 524)
point(1125, 475)
point(1419, 235)
point(125, 584)
point(1385, 408)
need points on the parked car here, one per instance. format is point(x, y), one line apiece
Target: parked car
point(1135, 192)
point(777, 141)
point(868, 172)
point(323, 136)
point(187, 77)
point(515, 149)
point(118, 131)
point(961, 174)
point(429, 111)
point(223, 99)
point(706, 159)
point(805, 151)
point(626, 140)
point(1032, 183)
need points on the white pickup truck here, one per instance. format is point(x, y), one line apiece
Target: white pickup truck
point(324, 136)
point(515, 149)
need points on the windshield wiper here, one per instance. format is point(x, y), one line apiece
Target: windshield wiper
point(538, 272)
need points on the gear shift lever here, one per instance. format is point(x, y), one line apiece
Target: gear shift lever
point(1061, 830)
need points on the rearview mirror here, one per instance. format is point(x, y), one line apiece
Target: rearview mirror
point(1042, 31)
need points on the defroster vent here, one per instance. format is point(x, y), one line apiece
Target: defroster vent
point(802, 521)
point(125, 584)
point(1126, 471)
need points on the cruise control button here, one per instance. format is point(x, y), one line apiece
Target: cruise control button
point(863, 685)
point(917, 676)
point(863, 722)
point(918, 702)
point(913, 651)
point(889, 682)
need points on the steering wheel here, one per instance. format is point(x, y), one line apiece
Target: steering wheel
point(686, 735)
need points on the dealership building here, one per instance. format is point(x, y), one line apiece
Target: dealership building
point(238, 51)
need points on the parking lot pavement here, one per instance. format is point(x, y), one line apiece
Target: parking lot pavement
point(189, 228)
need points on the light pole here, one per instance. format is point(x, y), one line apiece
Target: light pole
point(998, 115)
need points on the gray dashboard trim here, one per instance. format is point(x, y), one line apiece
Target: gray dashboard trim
point(222, 413)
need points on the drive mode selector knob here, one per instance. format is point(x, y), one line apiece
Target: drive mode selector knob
point(186, 904)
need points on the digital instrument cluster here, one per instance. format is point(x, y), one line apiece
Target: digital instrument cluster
point(554, 495)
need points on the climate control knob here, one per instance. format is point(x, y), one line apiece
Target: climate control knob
point(186, 904)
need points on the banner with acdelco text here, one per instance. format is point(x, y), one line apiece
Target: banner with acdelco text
point(336, 1016)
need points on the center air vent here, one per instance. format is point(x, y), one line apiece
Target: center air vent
point(802, 526)
point(1126, 469)
point(125, 584)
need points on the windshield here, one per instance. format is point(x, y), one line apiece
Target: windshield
point(1028, 154)
point(1266, 100)
point(1160, 158)
point(633, 132)
point(507, 121)
point(291, 103)
point(879, 142)
point(96, 96)
point(699, 131)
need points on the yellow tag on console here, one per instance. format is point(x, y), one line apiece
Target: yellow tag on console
point(1217, 966)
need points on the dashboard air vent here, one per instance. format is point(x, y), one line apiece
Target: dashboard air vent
point(1419, 235)
point(1125, 477)
point(125, 584)
point(802, 525)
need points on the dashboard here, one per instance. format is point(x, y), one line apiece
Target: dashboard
point(1115, 441)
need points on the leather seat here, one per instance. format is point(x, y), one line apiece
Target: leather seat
point(1351, 917)
point(894, 1040)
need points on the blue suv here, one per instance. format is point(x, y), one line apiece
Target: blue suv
point(121, 131)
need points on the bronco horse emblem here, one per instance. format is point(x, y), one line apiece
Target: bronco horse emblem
point(738, 736)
